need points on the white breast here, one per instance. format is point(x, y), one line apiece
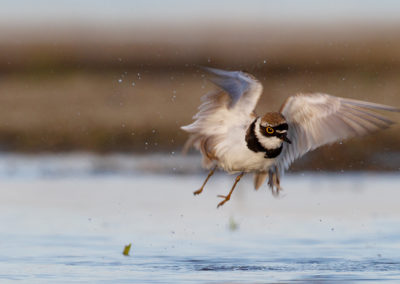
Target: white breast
point(245, 160)
point(234, 155)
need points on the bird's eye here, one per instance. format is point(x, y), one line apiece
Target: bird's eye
point(269, 130)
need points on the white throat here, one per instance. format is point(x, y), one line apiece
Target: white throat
point(269, 143)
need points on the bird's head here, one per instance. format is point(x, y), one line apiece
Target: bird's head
point(271, 130)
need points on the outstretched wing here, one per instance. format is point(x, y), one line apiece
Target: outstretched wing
point(222, 111)
point(318, 119)
point(243, 89)
point(230, 107)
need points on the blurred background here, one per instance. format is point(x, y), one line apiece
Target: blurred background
point(120, 76)
point(92, 97)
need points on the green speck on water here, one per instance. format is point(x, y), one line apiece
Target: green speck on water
point(126, 250)
point(233, 225)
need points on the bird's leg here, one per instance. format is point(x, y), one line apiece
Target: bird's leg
point(204, 183)
point(227, 197)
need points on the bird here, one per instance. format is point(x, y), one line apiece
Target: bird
point(232, 137)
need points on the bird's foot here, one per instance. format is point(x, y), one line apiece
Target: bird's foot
point(197, 192)
point(226, 198)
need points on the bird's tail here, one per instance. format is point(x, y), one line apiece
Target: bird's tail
point(274, 181)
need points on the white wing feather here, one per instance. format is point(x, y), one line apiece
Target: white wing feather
point(224, 115)
point(239, 97)
point(222, 110)
point(243, 89)
point(318, 119)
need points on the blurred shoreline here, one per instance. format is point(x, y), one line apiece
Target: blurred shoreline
point(86, 165)
point(101, 47)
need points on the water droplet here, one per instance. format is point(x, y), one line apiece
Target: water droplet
point(119, 80)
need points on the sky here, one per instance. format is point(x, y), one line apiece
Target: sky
point(27, 12)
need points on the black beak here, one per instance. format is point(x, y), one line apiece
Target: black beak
point(284, 138)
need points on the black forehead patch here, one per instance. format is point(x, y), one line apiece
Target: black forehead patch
point(283, 126)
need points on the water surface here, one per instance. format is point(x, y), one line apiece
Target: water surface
point(67, 218)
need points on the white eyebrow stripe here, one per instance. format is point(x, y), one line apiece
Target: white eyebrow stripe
point(281, 131)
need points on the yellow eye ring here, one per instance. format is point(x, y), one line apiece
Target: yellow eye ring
point(269, 130)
